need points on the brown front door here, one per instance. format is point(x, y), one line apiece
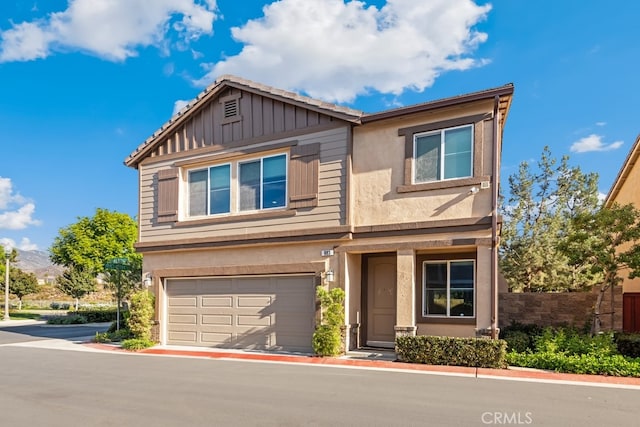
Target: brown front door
point(381, 301)
point(631, 312)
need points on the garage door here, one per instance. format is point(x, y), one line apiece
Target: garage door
point(266, 313)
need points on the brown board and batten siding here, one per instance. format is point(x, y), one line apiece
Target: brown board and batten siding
point(258, 116)
point(326, 210)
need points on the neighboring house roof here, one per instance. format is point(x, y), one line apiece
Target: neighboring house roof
point(340, 112)
point(624, 172)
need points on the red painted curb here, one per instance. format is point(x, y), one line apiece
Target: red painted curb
point(384, 364)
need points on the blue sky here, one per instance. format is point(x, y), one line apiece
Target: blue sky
point(84, 82)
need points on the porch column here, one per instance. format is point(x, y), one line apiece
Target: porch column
point(405, 293)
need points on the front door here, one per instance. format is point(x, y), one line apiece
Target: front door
point(631, 312)
point(381, 301)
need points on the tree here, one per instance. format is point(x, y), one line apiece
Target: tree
point(21, 284)
point(607, 242)
point(538, 216)
point(76, 283)
point(92, 241)
point(89, 244)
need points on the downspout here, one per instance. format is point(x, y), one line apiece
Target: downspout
point(494, 220)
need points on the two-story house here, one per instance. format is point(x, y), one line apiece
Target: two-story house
point(251, 196)
point(625, 191)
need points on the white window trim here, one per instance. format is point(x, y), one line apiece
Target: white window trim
point(208, 191)
point(286, 180)
point(424, 289)
point(442, 150)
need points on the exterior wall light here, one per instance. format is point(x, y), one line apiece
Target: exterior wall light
point(329, 276)
point(148, 280)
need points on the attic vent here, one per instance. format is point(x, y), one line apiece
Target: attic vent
point(231, 108)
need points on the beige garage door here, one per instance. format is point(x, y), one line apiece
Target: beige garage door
point(267, 313)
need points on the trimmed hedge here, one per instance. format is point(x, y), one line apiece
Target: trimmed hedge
point(433, 350)
point(99, 315)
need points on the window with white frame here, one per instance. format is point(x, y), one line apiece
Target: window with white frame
point(443, 154)
point(260, 184)
point(449, 288)
point(210, 191)
point(263, 183)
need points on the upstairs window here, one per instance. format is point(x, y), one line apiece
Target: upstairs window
point(443, 154)
point(210, 191)
point(263, 183)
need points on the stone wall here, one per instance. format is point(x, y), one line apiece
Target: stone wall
point(555, 309)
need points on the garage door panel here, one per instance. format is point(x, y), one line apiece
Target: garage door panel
point(216, 338)
point(183, 302)
point(217, 301)
point(226, 320)
point(186, 319)
point(257, 320)
point(245, 285)
point(271, 313)
point(180, 337)
point(254, 301)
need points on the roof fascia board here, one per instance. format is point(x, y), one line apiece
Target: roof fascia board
point(506, 90)
point(625, 170)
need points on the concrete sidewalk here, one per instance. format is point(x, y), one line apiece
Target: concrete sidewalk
point(383, 360)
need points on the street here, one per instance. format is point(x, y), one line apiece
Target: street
point(50, 387)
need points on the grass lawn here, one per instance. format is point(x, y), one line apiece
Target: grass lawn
point(23, 314)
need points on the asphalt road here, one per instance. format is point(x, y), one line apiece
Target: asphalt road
point(45, 387)
point(39, 331)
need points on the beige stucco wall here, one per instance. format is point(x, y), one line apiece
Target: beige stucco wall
point(629, 194)
point(378, 169)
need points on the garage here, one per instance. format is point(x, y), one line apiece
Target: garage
point(258, 313)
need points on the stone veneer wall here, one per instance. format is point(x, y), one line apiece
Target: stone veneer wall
point(556, 309)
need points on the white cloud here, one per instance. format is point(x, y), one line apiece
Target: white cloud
point(593, 142)
point(335, 51)
point(25, 244)
point(20, 218)
point(601, 124)
point(88, 25)
point(179, 105)
point(16, 212)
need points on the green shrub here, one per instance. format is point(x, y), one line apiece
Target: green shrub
point(99, 315)
point(628, 344)
point(74, 319)
point(327, 338)
point(102, 337)
point(570, 341)
point(137, 344)
point(141, 313)
point(124, 322)
point(54, 306)
point(517, 341)
point(614, 365)
point(433, 350)
point(327, 341)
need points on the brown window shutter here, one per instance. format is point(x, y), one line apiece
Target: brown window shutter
point(167, 195)
point(303, 176)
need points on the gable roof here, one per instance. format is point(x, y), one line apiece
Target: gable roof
point(227, 81)
point(624, 172)
point(504, 93)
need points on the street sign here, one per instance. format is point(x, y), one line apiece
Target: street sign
point(117, 264)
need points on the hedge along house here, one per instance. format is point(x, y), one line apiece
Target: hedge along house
point(251, 196)
point(624, 191)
